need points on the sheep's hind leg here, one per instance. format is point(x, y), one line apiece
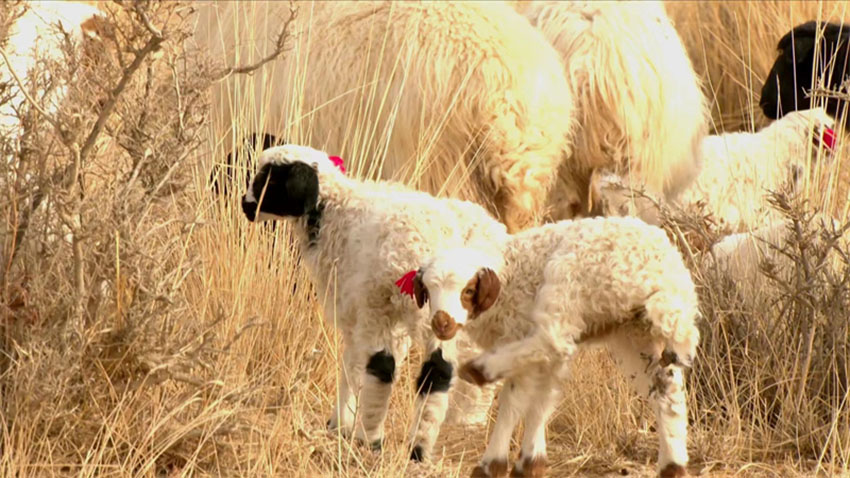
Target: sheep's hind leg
point(657, 373)
point(432, 399)
point(532, 460)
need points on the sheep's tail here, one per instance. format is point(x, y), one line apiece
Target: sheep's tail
point(673, 316)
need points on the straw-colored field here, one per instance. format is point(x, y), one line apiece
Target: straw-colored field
point(170, 337)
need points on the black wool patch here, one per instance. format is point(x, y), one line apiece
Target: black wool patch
point(436, 375)
point(382, 366)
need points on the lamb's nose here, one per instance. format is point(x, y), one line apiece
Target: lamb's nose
point(249, 208)
point(444, 326)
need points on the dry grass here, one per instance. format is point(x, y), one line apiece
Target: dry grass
point(201, 351)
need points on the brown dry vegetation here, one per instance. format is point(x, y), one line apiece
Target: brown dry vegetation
point(165, 338)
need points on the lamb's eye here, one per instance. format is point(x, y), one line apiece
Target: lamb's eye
point(468, 292)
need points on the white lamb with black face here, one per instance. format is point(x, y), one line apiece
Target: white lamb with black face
point(357, 237)
point(530, 301)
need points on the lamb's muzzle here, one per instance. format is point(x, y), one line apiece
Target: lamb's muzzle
point(249, 208)
point(444, 326)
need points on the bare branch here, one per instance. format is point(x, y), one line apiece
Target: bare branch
point(146, 21)
point(280, 47)
point(26, 94)
point(152, 45)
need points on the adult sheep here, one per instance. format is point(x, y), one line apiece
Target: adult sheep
point(441, 95)
point(810, 55)
point(640, 105)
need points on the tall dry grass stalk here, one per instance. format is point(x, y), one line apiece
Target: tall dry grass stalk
point(203, 353)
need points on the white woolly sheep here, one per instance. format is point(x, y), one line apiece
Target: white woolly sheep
point(449, 93)
point(356, 238)
point(640, 106)
point(739, 169)
point(532, 300)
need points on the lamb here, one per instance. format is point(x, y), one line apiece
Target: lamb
point(640, 105)
point(442, 95)
point(738, 171)
point(532, 299)
point(788, 86)
point(356, 237)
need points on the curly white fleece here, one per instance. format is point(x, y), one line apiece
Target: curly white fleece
point(739, 170)
point(610, 280)
point(372, 233)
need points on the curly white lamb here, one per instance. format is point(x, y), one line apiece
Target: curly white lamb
point(531, 300)
point(438, 94)
point(739, 170)
point(640, 105)
point(356, 238)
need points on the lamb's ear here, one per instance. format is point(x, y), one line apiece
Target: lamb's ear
point(420, 292)
point(487, 290)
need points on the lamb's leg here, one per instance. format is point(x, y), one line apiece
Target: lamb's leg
point(550, 346)
point(532, 460)
point(656, 373)
point(469, 404)
point(349, 382)
point(514, 398)
point(432, 399)
point(377, 381)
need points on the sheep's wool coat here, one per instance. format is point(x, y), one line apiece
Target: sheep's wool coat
point(589, 274)
point(739, 171)
point(641, 109)
point(371, 234)
point(443, 94)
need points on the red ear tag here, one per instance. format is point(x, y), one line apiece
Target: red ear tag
point(405, 284)
point(829, 138)
point(337, 162)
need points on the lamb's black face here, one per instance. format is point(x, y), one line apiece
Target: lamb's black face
point(790, 78)
point(290, 190)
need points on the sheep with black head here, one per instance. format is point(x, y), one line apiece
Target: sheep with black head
point(356, 238)
point(810, 54)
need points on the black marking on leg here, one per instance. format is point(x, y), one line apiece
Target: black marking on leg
point(377, 445)
point(436, 375)
point(417, 454)
point(382, 366)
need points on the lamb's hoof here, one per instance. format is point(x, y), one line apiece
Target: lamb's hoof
point(471, 372)
point(418, 454)
point(333, 427)
point(494, 469)
point(530, 468)
point(673, 470)
point(377, 445)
